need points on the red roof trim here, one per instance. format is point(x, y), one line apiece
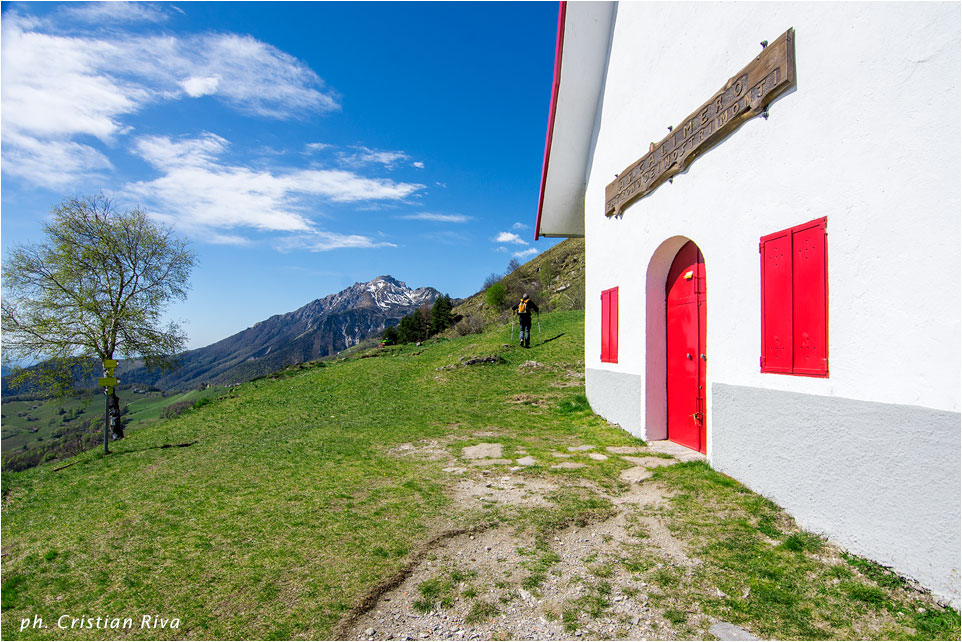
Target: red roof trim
point(554, 107)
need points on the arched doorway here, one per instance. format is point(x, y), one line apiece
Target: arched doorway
point(686, 296)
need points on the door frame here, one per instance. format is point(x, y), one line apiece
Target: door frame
point(655, 392)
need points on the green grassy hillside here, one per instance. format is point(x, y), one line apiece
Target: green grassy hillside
point(303, 491)
point(555, 279)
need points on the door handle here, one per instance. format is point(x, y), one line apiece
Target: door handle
point(696, 416)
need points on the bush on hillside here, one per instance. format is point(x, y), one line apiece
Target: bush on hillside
point(495, 295)
point(546, 274)
point(176, 409)
point(473, 324)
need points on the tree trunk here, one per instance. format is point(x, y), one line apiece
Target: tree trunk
point(116, 423)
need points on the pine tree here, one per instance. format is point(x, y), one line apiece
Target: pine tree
point(441, 314)
point(390, 335)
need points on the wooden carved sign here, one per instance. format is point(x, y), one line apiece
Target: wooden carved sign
point(746, 95)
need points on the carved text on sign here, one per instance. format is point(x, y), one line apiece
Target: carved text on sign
point(743, 97)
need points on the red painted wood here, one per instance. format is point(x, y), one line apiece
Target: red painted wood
point(605, 324)
point(686, 322)
point(609, 326)
point(794, 279)
point(776, 251)
point(809, 285)
point(555, 87)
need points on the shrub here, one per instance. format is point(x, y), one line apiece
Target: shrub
point(546, 275)
point(469, 325)
point(495, 295)
point(175, 409)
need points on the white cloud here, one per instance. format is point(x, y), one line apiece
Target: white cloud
point(58, 89)
point(115, 12)
point(418, 164)
point(438, 218)
point(523, 254)
point(197, 193)
point(519, 226)
point(198, 86)
point(509, 237)
point(311, 148)
point(319, 241)
point(52, 164)
point(365, 156)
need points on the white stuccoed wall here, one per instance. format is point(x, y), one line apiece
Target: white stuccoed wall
point(870, 139)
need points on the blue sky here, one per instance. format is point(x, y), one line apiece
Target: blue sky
point(300, 146)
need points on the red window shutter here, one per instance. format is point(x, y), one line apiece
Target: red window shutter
point(794, 264)
point(609, 326)
point(776, 250)
point(809, 317)
point(605, 322)
point(613, 327)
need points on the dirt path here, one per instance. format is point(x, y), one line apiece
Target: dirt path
point(497, 584)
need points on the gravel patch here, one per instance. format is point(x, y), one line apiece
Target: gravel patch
point(482, 451)
point(635, 475)
point(650, 462)
point(491, 462)
point(496, 584)
point(501, 584)
point(626, 450)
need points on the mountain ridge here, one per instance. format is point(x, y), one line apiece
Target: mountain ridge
point(317, 329)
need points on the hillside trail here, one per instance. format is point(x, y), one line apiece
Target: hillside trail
point(500, 584)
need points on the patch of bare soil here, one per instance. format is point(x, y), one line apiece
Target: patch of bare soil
point(530, 400)
point(429, 449)
point(500, 584)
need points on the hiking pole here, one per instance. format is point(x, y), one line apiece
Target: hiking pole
point(539, 329)
point(511, 338)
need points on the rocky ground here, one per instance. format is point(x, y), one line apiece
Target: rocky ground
point(502, 584)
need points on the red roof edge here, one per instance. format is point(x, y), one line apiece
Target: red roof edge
point(554, 107)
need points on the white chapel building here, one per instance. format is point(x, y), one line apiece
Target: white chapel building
point(770, 199)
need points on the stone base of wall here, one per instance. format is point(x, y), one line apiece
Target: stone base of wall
point(616, 396)
point(881, 480)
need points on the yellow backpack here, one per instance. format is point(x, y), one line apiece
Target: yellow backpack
point(523, 306)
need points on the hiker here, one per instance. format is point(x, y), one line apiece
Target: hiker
point(524, 309)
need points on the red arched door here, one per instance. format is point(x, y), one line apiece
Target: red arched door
point(685, 333)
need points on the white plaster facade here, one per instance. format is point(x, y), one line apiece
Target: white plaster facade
point(869, 139)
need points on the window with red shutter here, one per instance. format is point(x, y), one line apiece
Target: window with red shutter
point(794, 264)
point(609, 326)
